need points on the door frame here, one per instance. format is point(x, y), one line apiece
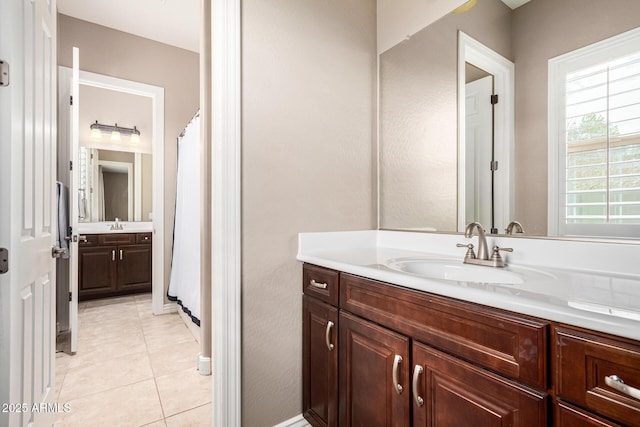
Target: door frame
point(156, 94)
point(226, 221)
point(503, 70)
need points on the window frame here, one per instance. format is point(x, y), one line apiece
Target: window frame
point(558, 68)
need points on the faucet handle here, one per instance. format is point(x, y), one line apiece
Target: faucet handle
point(495, 256)
point(470, 253)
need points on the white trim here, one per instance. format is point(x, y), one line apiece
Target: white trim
point(137, 171)
point(474, 52)
point(168, 308)
point(558, 68)
point(553, 149)
point(156, 94)
point(297, 421)
point(226, 214)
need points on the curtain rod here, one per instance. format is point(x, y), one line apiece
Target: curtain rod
point(197, 114)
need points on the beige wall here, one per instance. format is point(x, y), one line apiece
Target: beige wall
point(397, 20)
point(123, 55)
point(308, 84)
point(543, 29)
point(418, 117)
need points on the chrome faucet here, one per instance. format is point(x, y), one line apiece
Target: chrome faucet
point(512, 225)
point(483, 253)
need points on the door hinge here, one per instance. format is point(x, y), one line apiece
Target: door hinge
point(70, 165)
point(71, 100)
point(70, 299)
point(4, 73)
point(4, 260)
point(494, 99)
point(494, 165)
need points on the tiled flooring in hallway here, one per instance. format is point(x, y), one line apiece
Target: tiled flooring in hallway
point(132, 369)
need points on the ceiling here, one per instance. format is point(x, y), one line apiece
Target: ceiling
point(173, 22)
point(513, 4)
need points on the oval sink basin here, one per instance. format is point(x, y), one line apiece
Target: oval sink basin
point(457, 272)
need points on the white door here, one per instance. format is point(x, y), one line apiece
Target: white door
point(478, 151)
point(27, 213)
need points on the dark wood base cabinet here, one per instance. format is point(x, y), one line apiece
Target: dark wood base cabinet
point(114, 264)
point(375, 354)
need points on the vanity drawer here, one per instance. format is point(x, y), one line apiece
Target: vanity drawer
point(321, 283)
point(566, 415)
point(584, 361)
point(508, 344)
point(116, 239)
point(88, 239)
point(143, 238)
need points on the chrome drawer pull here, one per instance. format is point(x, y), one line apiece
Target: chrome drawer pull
point(616, 383)
point(417, 371)
point(120, 254)
point(318, 285)
point(327, 335)
point(396, 385)
point(113, 255)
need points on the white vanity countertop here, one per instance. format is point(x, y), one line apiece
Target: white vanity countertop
point(594, 285)
point(105, 227)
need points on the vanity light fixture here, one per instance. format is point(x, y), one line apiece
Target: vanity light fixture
point(466, 6)
point(116, 132)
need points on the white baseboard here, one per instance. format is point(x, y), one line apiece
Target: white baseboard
point(204, 365)
point(297, 421)
point(168, 308)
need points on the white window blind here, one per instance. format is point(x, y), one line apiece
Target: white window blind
point(594, 139)
point(603, 143)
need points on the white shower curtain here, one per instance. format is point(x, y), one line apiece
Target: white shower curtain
point(184, 285)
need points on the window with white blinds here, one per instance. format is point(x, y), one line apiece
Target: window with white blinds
point(599, 142)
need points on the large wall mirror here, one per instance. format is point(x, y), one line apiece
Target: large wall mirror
point(115, 174)
point(420, 113)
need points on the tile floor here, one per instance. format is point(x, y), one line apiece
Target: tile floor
point(131, 369)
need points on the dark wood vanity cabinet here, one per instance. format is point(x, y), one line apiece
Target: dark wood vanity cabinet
point(320, 346)
point(374, 374)
point(407, 358)
point(114, 264)
point(598, 373)
point(448, 391)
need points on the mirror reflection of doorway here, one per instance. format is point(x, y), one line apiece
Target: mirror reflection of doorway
point(479, 146)
point(114, 190)
point(485, 155)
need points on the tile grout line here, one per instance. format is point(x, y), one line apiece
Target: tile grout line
point(153, 372)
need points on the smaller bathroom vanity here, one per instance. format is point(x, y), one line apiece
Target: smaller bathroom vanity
point(114, 264)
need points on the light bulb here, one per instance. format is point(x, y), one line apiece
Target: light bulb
point(135, 138)
point(95, 133)
point(115, 136)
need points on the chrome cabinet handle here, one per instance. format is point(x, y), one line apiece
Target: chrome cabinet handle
point(318, 285)
point(616, 383)
point(327, 335)
point(82, 238)
point(396, 384)
point(113, 255)
point(120, 254)
point(417, 371)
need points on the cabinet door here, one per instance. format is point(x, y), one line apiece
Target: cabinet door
point(134, 267)
point(97, 270)
point(457, 394)
point(374, 374)
point(320, 362)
